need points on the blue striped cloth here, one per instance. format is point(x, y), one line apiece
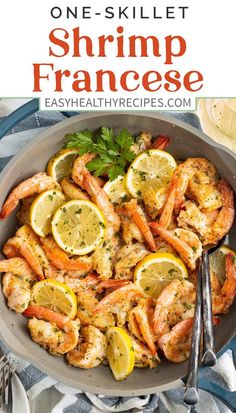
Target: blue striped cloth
point(72, 401)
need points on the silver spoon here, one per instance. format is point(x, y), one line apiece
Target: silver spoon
point(209, 357)
point(191, 392)
point(203, 305)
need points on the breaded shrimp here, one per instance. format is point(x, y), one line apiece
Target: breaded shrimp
point(140, 220)
point(17, 282)
point(104, 253)
point(182, 176)
point(36, 184)
point(176, 344)
point(27, 244)
point(185, 242)
point(175, 303)
point(60, 259)
point(225, 218)
point(120, 302)
point(222, 298)
point(71, 190)
point(127, 258)
point(141, 323)
point(91, 349)
point(57, 333)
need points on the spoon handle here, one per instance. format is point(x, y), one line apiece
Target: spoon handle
point(209, 357)
point(191, 393)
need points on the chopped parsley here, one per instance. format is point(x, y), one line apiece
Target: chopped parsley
point(113, 152)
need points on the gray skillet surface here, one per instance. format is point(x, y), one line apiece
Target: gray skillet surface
point(185, 141)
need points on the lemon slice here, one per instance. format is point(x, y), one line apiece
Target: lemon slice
point(56, 296)
point(78, 227)
point(217, 262)
point(42, 210)
point(116, 190)
point(120, 352)
point(153, 163)
point(60, 164)
point(155, 271)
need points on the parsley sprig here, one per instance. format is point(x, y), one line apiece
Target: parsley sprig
point(113, 152)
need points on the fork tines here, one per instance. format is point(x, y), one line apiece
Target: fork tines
point(5, 381)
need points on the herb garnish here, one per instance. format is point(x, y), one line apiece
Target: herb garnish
point(112, 152)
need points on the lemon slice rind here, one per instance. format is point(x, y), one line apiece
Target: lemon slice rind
point(60, 164)
point(56, 296)
point(120, 352)
point(217, 262)
point(156, 271)
point(42, 210)
point(150, 164)
point(116, 190)
point(78, 227)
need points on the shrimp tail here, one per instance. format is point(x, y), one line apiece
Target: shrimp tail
point(113, 284)
point(60, 259)
point(229, 287)
point(161, 142)
point(227, 194)
point(46, 314)
point(9, 205)
point(140, 221)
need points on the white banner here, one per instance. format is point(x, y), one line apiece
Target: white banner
point(109, 55)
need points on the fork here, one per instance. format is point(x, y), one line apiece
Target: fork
point(6, 372)
point(202, 316)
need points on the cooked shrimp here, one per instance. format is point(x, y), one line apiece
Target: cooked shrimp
point(183, 174)
point(161, 142)
point(163, 246)
point(127, 258)
point(168, 209)
point(225, 218)
point(86, 303)
point(154, 197)
point(27, 244)
point(17, 282)
point(140, 220)
point(120, 302)
point(86, 290)
point(61, 260)
point(102, 257)
point(143, 356)
point(185, 242)
point(222, 298)
point(71, 190)
point(57, 333)
point(23, 215)
point(36, 184)
point(190, 217)
point(140, 323)
point(100, 197)
point(78, 168)
point(177, 343)
point(205, 191)
point(91, 349)
point(175, 303)
point(91, 282)
point(130, 230)
point(142, 143)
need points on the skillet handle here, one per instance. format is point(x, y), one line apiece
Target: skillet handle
point(17, 116)
point(22, 113)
